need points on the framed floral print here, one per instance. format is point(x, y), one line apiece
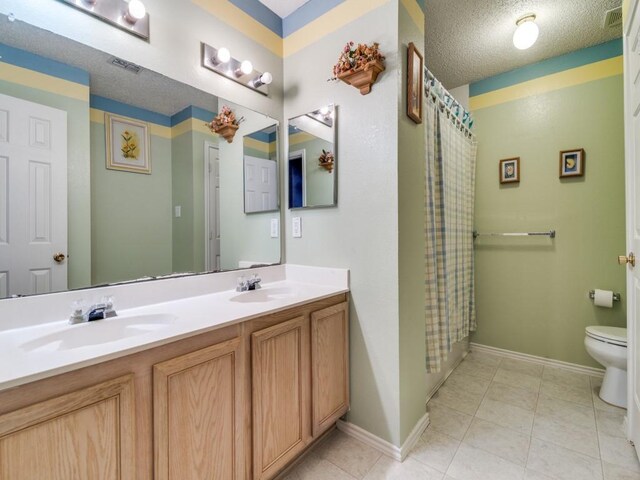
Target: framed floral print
point(127, 143)
point(510, 170)
point(572, 163)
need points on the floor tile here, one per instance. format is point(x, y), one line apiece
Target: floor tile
point(388, 469)
point(500, 441)
point(571, 393)
point(435, 449)
point(448, 421)
point(520, 366)
point(349, 454)
point(474, 464)
point(565, 378)
point(506, 415)
point(614, 472)
point(618, 451)
point(566, 411)
point(532, 475)
point(483, 358)
point(468, 383)
point(561, 463)
point(600, 404)
point(573, 436)
point(611, 422)
point(453, 397)
point(516, 379)
point(477, 369)
point(518, 397)
point(316, 468)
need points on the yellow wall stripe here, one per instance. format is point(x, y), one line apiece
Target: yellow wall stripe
point(301, 137)
point(97, 116)
point(415, 12)
point(568, 78)
point(243, 22)
point(190, 125)
point(42, 81)
point(328, 23)
point(257, 144)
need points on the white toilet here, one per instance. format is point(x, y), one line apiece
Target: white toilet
point(608, 346)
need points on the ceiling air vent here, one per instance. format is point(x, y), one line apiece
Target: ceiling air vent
point(130, 67)
point(613, 18)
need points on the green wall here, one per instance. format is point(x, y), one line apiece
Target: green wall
point(130, 215)
point(531, 293)
point(78, 177)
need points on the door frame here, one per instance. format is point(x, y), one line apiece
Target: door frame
point(207, 203)
point(303, 155)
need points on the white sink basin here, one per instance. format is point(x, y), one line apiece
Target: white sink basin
point(266, 294)
point(99, 332)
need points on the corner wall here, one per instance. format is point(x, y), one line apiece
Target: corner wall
point(532, 293)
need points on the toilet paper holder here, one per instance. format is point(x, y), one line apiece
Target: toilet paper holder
point(616, 296)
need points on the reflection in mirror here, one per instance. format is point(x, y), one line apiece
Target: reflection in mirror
point(312, 162)
point(260, 172)
point(165, 195)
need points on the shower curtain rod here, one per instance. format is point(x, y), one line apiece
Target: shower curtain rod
point(429, 84)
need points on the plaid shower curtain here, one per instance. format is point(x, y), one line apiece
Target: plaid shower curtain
point(450, 194)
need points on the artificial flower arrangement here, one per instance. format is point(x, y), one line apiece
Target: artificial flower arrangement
point(359, 65)
point(326, 160)
point(225, 123)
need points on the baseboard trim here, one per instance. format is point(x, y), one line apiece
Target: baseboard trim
point(596, 372)
point(397, 453)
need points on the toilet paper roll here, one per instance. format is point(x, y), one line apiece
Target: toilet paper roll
point(603, 298)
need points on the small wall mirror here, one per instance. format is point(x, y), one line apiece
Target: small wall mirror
point(260, 157)
point(312, 161)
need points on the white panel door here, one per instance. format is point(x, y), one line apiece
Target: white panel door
point(33, 197)
point(260, 185)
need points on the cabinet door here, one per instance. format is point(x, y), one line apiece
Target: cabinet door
point(88, 434)
point(280, 387)
point(329, 366)
point(197, 414)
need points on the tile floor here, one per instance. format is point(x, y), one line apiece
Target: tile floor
point(496, 419)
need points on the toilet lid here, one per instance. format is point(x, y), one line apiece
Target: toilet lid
point(615, 335)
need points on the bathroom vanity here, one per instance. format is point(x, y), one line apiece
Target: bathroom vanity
point(235, 386)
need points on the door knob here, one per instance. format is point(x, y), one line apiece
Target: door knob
point(630, 259)
point(59, 257)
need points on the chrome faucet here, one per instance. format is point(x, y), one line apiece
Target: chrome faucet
point(97, 311)
point(245, 284)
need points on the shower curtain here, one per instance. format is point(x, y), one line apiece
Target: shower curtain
point(450, 193)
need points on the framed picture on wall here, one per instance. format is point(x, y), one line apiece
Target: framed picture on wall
point(510, 170)
point(127, 143)
point(572, 163)
point(414, 83)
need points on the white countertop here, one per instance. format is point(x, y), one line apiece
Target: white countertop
point(42, 349)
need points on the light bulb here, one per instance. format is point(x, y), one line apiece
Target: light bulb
point(265, 79)
point(224, 55)
point(135, 11)
point(246, 67)
point(527, 32)
point(324, 110)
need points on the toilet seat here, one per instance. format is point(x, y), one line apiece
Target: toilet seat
point(612, 335)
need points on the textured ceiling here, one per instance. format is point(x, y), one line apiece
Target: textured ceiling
point(148, 89)
point(468, 40)
point(283, 8)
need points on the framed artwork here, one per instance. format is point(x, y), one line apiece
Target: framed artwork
point(510, 170)
point(572, 163)
point(415, 72)
point(127, 143)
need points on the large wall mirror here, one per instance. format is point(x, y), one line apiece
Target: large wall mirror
point(109, 173)
point(311, 161)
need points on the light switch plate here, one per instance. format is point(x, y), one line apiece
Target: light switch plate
point(296, 227)
point(178, 211)
point(275, 228)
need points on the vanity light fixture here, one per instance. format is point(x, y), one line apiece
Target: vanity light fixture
point(128, 15)
point(526, 32)
point(242, 72)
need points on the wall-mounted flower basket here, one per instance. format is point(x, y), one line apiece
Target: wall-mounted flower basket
point(359, 65)
point(227, 132)
point(364, 77)
point(225, 124)
point(326, 160)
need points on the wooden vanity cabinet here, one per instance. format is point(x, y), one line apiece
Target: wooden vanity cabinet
point(87, 434)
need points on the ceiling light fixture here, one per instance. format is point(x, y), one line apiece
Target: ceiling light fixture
point(128, 15)
point(526, 32)
point(220, 61)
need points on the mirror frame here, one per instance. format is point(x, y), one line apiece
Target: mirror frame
point(334, 107)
